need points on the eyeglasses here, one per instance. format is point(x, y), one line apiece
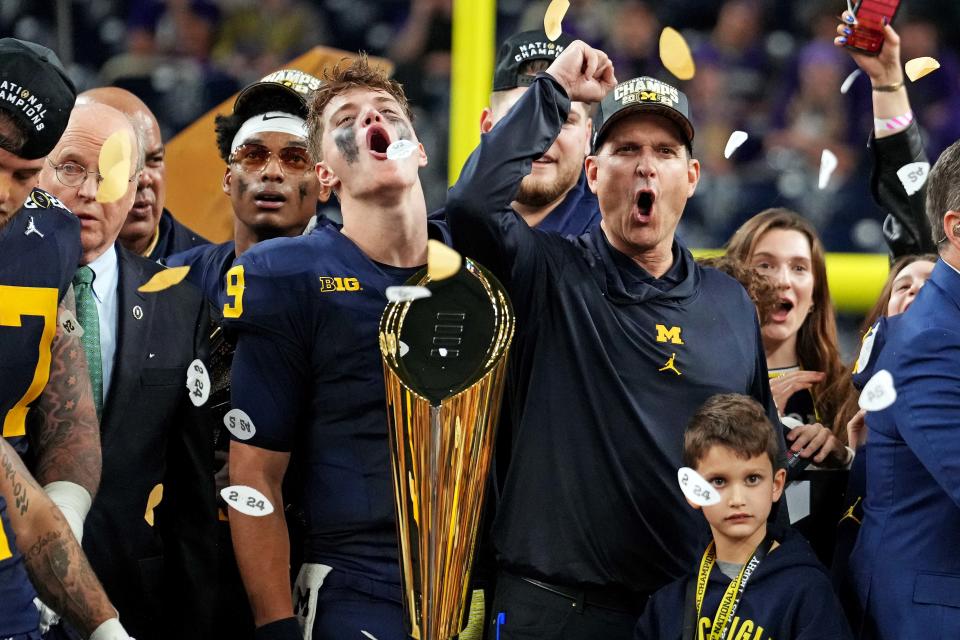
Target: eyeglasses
point(71, 174)
point(256, 157)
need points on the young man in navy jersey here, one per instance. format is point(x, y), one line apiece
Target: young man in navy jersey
point(46, 406)
point(270, 180)
point(308, 373)
point(620, 337)
point(263, 145)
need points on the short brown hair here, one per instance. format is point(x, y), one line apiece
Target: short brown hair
point(359, 75)
point(735, 421)
point(943, 194)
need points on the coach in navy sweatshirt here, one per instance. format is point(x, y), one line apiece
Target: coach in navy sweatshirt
point(620, 337)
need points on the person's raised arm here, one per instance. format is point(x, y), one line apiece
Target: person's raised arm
point(894, 143)
point(477, 207)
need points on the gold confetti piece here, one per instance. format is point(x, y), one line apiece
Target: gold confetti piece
point(675, 54)
point(919, 67)
point(165, 279)
point(114, 184)
point(442, 261)
point(156, 495)
point(114, 165)
point(115, 149)
point(553, 18)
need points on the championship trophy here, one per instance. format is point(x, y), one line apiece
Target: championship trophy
point(444, 344)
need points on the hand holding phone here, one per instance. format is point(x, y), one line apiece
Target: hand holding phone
point(872, 16)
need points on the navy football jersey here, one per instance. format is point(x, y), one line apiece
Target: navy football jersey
point(308, 372)
point(39, 252)
point(18, 614)
point(208, 265)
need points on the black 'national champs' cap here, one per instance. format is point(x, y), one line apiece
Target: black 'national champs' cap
point(643, 94)
point(519, 48)
point(285, 90)
point(36, 91)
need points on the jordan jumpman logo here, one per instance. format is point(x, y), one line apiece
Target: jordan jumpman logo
point(670, 366)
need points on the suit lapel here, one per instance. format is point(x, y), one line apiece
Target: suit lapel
point(135, 313)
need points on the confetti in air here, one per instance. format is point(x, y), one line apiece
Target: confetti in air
point(919, 67)
point(828, 163)
point(165, 279)
point(442, 261)
point(849, 81)
point(115, 163)
point(913, 176)
point(737, 138)
point(675, 54)
point(696, 489)
point(407, 294)
point(553, 18)
point(400, 150)
point(879, 393)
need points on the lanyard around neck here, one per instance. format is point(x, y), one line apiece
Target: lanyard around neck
point(731, 597)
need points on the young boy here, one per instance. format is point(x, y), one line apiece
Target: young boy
point(752, 583)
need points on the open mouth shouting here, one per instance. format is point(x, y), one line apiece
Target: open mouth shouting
point(782, 310)
point(646, 198)
point(268, 199)
point(377, 142)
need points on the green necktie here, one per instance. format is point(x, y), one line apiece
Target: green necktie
point(90, 321)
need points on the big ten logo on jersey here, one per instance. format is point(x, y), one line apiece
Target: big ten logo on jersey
point(671, 334)
point(338, 283)
point(39, 199)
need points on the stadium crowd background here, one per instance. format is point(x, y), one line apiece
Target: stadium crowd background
point(763, 66)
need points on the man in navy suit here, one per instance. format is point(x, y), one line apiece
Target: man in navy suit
point(154, 552)
point(905, 565)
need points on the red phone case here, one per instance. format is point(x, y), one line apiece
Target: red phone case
point(867, 36)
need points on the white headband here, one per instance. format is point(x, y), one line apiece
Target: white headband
point(274, 121)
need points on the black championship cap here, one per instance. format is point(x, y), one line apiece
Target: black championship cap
point(519, 48)
point(648, 95)
point(285, 90)
point(36, 91)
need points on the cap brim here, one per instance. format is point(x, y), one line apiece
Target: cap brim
point(684, 125)
point(270, 96)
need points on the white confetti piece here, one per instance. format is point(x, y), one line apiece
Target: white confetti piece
point(247, 500)
point(913, 176)
point(400, 150)
point(879, 393)
point(866, 349)
point(198, 383)
point(407, 294)
point(239, 424)
point(790, 422)
point(828, 163)
point(442, 352)
point(404, 348)
point(737, 138)
point(696, 489)
point(849, 81)
point(70, 324)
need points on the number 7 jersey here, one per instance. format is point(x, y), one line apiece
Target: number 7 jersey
point(39, 252)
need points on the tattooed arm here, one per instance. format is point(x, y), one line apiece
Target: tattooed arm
point(66, 435)
point(53, 558)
